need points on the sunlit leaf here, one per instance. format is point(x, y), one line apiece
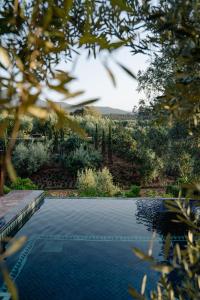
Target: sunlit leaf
point(14, 246)
point(167, 246)
point(127, 70)
point(165, 269)
point(10, 285)
point(67, 5)
point(111, 75)
point(37, 112)
point(84, 103)
point(4, 57)
point(190, 236)
point(135, 294)
point(143, 286)
point(48, 17)
point(150, 250)
point(142, 255)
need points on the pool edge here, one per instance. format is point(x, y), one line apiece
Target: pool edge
point(24, 210)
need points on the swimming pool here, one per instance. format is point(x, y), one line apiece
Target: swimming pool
point(82, 248)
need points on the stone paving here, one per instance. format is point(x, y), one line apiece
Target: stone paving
point(14, 202)
point(12, 199)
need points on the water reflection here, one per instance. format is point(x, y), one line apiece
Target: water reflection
point(153, 214)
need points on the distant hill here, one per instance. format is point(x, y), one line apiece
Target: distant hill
point(104, 110)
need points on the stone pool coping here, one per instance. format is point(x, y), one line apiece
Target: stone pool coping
point(111, 198)
point(15, 206)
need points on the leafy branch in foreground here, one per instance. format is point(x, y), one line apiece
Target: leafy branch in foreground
point(180, 271)
point(14, 246)
point(35, 36)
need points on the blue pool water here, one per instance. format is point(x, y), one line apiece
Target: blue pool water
point(81, 249)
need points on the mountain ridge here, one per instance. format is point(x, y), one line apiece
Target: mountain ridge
point(104, 110)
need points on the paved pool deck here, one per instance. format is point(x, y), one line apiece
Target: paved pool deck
point(15, 206)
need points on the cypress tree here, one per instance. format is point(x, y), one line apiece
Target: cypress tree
point(103, 143)
point(96, 138)
point(110, 144)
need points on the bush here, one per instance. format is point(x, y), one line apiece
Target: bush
point(23, 184)
point(86, 182)
point(6, 189)
point(83, 158)
point(133, 192)
point(105, 186)
point(29, 158)
point(96, 183)
point(173, 190)
point(72, 143)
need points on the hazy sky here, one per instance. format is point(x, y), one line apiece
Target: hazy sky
point(94, 80)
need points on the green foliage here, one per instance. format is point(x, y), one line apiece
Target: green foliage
point(151, 193)
point(23, 184)
point(133, 192)
point(151, 165)
point(105, 184)
point(173, 189)
point(96, 138)
point(103, 143)
point(86, 182)
point(29, 158)
point(157, 151)
point(154, 193)
point(96, 183)
point(173, 27)
point(89, 121)
point(34, 34)
point(123, 142)
point(110, 146)
point(6, 189)
point(44, 128)
point(82, 158)
point(72, 143)
point(185, 166)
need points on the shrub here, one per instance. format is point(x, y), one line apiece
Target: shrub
point(173, 190)
point(6, 189)
point(72, 143)
point(83, 158)
point(151, 193)
point(86, 182)
point(133, 192)
point(105, 186)
point(123, 143)
point(96, 183)
point(185, 166)
point(23, 184)
point(29, 158)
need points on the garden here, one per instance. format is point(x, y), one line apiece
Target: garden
point(133, 156)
